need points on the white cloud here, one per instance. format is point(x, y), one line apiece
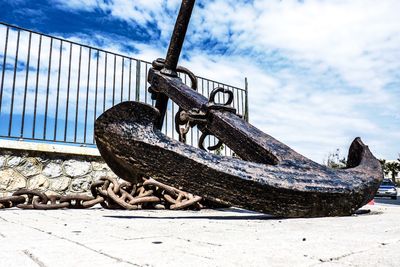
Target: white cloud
point(320, 72)
point(353, 42)
point(72, 5)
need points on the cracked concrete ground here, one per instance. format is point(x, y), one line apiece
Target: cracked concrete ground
point(231, 237)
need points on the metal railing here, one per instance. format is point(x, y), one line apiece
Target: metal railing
point(53, 89)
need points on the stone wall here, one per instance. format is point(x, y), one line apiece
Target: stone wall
point(49, 172)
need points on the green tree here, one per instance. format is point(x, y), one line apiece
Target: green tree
point(391, 168)
point(383, 164)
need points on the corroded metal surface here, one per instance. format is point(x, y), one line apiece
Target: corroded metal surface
point(292, 186)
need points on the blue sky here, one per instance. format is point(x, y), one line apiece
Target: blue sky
point(320, 72)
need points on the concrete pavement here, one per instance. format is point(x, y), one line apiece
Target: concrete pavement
point(232, 237)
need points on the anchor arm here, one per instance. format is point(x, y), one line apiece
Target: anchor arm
point(244, 139)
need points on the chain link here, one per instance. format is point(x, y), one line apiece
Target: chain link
point(31, 197)
point(110, 194)
point(11, 201)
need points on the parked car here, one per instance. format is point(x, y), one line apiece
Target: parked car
point(387, 189)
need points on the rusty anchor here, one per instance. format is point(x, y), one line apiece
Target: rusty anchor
point(269, 177)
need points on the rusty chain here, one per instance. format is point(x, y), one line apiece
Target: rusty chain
point(110, 194)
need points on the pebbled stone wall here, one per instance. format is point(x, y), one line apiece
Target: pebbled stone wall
point(52, 173)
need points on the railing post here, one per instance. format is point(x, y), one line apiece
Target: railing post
point(4, 67)
point(137, 89)
point(13, 85)
point(47, 90)
point(36, 87)
point(26, 85)
point(58, 90)
point(246, 88)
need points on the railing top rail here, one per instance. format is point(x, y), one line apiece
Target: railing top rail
point(105, 51)
point(72, 42)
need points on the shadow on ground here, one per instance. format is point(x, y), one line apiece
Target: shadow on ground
point(258, 217)
point(241, 215)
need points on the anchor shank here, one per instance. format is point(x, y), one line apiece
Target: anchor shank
point(178, 37)
point(174, 51)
